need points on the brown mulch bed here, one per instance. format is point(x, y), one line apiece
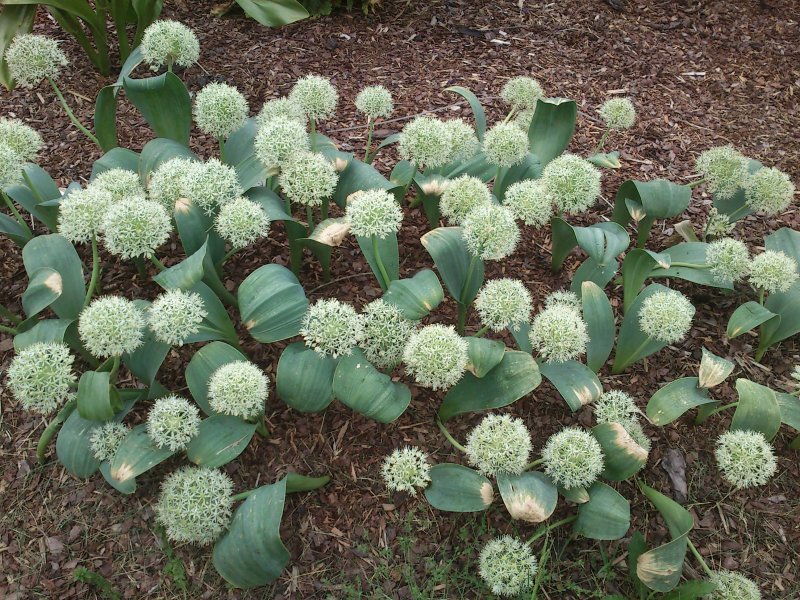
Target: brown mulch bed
point(700, 73)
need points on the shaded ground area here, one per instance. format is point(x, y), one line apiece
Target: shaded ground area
point(700, 73)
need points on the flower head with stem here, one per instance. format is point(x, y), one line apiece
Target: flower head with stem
point(769, 191)
point(278, 140)
point(111, 326)
point(120, 183)
point(436, 356)
point(499, 444)
point(11, 165)
point(41, 377)
point(615, 406)
point(503, 303)
point(386, 331)
point(521, 93)
point(241, 222)
point(666, 316)
point(773, 271)
point(175, 316)
point(308, 178)
point(135, 227)
point(210, 185)
point(167, 43)
point(32, 58)
point(426, 142)
point(81, 214)
point(745, 458)
point(238, 388)
point(220, 109)
point(490, 232)
point(728, 259)
point(572, 182)
point(507, 566)
point(573, 458)
point(21, 138)
point(373, 213)
point(724, 169)
point(559, 334)
point(406, 470)
point(505, 145)
point(375, 102)
point(461, 195)
point(106, 439)
point(332, 328)
point(618, 113)
point(717, 224)
point(172, 422)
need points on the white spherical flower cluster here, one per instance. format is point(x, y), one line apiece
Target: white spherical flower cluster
point(769, 191)
point(504, 303)
point(573, 458)
point(572, 182)
point(773, 271)
point(135, 227)
point(81, 214)
point(41, 377)
point(505, 145)
point(165, 185)
point(241, 222)
point(172, 422)
point(176, 315)
point(280, 108)
point(308, 178)
point(559, 334)
point(530, 202)
point(666, 316)
point(745, 458)
point(22, 139)
point(499, 444)
point(618, 113)
point(461, 195)
point(238, 388)
point(426, 142)
point(386, 331)
point(111, 326)
point(464, 142)
point(332, 328)
point(375, 101)
point(195, 504)
point(210, 185)
point(718, 224)
point(724, 169)
point(120, 183)
point(405, 470)
point(523, 119)
point(490, 232)
point(374, 212)
point(279, 139)
point(436, 356)
point(32, 58)
point(521, 93)
point(10, 166)
point(566, 298)
point(507, 566)
point(220, 109)
point(728, 259)
point(106, 439)
point(316, 96)
point(168, 42)
point(733, 586)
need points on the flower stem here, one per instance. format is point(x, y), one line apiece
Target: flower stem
point(694, 184)
point(325, 207)
point(619, 368)
point(370, 128)
point(385, 281)
point(533, 464)
point(542, 531)
point(313, 135)
point(9, 315)
point(221, 141)
point(95, 272)
point(310, 218)
point(699, 558)
point(481, 331)
point(700, 421)
point(602, 141)
point(9, 330)
point(53, 427)
point(159, 265)
point(261, 428)
point(71, 114)
point(462, 306)
point(449, 437)
point(761, 296)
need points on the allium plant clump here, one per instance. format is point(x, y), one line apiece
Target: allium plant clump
point(241, 222)
point(23, 140)
point(426, 142)
point(81, 214)
point(120, 183)
point(210, 185)
point(281, 108)
point(505, 145)
point(728, 259)
point(769, 191)
point(521, 93)
point(316, 96)
point(166, 184)
point(308, 178)
point(375, 102)
point(618, 113)
point(279, 139)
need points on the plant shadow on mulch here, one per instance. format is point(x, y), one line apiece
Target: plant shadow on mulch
point(700, 73)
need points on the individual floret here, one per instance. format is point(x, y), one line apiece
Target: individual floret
point(374, 212)
point(375, 101)
point(559, 334)
point(499, 444)
point(332, 328)
point(406, 470)
point(172, 422)
point(666, 316)
point(490, 232)
point(745, 458)
point(81, 214)
point(135, 227)
point(308, 178)
point(106, 439)
point(618, 113)
point(111, 326)
point(463, 194)
point(175, 316)
point(573, 458)
point(724, 170)
point(507, 566)
point(426, 142)
point(769, 191)
point(505, 145)
point(238, 388)
point(530, 202)
point(167, 43)
point(220, 109)
point(773, 271)
point(572, 182)
point(32, 58)
point(386, 331)
point(316, 96)
point(241, 222)
point(521, 93)
point(21, 138)
point(504, 304)
point(436, 356)
point(728, 259)
point(41, 377)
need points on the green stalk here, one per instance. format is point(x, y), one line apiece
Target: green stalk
point(72, 26)
point(384, 275)
point(449, 437)
point(370, 127)
point(310, 218)
point(619, 368)
point(288, 206)
point(53, 428)
point(481, 331)
point(15, 212)
point(542, 531)
point(761, 296)
point(9, 315)
point(139, 262)
point(699, 558)
point(118, 14)
point(261, 428)
point(602, 141)
point(159, 265)
point(112, 375)
point(228, 254)
point(462, 308)
point(71, 115)
point(732, 216)
point(221, 142)
point(700, 420)
point(694, 184)
point(9, 330)
point(326, 203)
point(533, 464)
point(32, 187)
point(95, 272)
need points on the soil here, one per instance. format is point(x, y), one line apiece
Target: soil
point(700, 73)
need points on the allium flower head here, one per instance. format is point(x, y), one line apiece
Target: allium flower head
point(135, 227)
point(505, 145)
point(461, 195)
point(773, 271)
point(490, 232)
point(572, 182)
point(634, 429)
point(724, 169)
point(666, 316)
point(558, 334)
point(279, 139)
point(573, 458)
point(120, 183)
point(81, 214)
point(241, 222)
point(426, 142)
point(316, 96)
point(168, 42)
point(40, 376)
point(331, 327)
point(308, 178)
point(176, 315)
point(166, 182)
point(239, 388)
point(521, 93)
point(733, 586)
point(11, 165)
point(503, 303)
point(436, 356)
point(281, 108)
point(21, 138)
point(499, 444)
point(375, 101)
point(507, 566)
point(32, 57)
point(172, 422)
point(618, 113)
point(566, 298)
point(220, 109)
point(195, 504)
point(374, 212)
point(728, 259)
point(106, 439)
point(615, 406)
point(111, 326)
point(745, 458)
point(464, 142)
point(769, 191)
point(386, 331)
point(530, 202)
point(210, 185)
point(718, 224)
point(405, 470)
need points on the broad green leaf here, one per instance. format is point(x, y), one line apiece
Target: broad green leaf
point(216, 325)
point(39, 195)
point(453, 260)
point(137, 454)
point(272, 303)
point(602, 241)
point(694, 254)
point(713, 369)
point(191, 270)
point(429, 188)
point(675, 398)
point(240, 153)
point(636, 547)
point(44, 288)
point(600, 325)
point(787, 306)
point(158, 151)
point(164, 102)
point(623, 456)
point(529, 496)
point(105, 117)
point(609, 160)
point(577, 495)
point(455, 488)
point(274, 13)
point(220, 439)
point(484, 355)
point(202, 366)
point(55, 253)
point(521, 336)
point(416, 297)
point(477, 108)
point(273, 205)
point(591, 270)
point(146, 360)
point(326, 236)
point(691, 590)
point(389, 255)
point(361, 387)
point(126, 487)
point(790, 410)
point(47, 330)
point(757, 410)
point(195, 228)
point(633, 344)
point(528, 168)
point(359, 176)
point(96, 402)
point(552, 127)
point(606, 516)
point(305, 378)
point(116, 158)
point(747, 317)
point(14, 231)
point(784, 240)
point(576, 382)
point(301, 483)
point(636, 268)
point(659, 199)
